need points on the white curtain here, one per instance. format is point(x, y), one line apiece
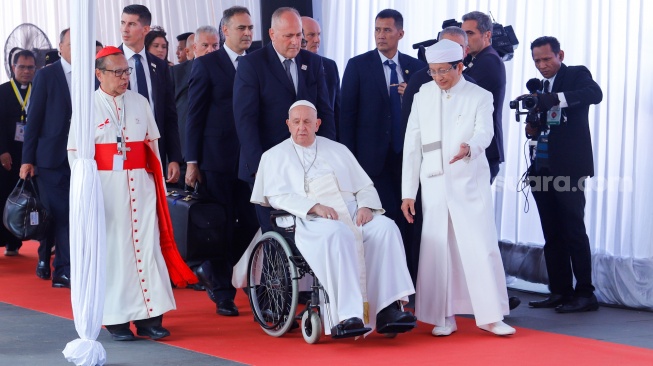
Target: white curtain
point(607, 36)
point(87, 226)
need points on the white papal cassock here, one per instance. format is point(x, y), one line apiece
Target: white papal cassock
point(329, 246)
point(460, 267)
point(137, 284)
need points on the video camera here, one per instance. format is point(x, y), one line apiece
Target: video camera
point(504, 40)
point(529, 103)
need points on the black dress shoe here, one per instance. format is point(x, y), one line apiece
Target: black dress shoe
point(61, 282)
point(227, 308)
point(550, 302)
point(513, 302)
point(204, 274)
point(579, 305)
point(393, 314)
point(43, 270)
point(352, 323)
point(154, 332)
point(122, 335)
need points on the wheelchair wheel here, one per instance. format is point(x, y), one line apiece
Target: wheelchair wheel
point(311, 326)
point(273, 287)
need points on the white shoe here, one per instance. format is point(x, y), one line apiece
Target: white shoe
point(499, 328)
point(446, 329)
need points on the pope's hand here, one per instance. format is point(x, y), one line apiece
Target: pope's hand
point(408, 208)
point(192, 174)
point(173, 172)
point(324, 211)
point(363, 216)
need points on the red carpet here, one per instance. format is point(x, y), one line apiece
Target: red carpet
point(195, 326)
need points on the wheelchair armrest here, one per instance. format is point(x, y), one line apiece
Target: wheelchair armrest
point(275, 214)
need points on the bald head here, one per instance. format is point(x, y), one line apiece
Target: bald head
point(312, 34)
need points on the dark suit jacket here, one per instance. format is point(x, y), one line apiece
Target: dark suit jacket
point(262, 95)
point(365, 117)
point(333, 86)
point(490, 74)
point(10, 112)
point(570, 143)
point(180, 76)
point(211, 138)
point(165, 111)
point(48, 121)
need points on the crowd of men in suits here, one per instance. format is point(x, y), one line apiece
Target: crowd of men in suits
point(222, 107)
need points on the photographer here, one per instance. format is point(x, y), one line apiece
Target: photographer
point(557, 179)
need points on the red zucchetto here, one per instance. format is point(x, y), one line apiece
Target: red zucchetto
point(108, 50)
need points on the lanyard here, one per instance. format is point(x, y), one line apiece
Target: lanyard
point(117, 118)
point(23, 103)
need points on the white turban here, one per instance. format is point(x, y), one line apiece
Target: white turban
point(302, 102)
point(444, 51)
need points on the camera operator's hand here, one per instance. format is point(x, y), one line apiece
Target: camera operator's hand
point(531, 130)
point(547, 101)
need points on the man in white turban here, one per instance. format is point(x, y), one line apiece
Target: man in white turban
point(355, 251)
point(460, 267)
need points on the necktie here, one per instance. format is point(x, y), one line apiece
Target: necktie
point(286, 65)
point(546, 87)
point(395, 108)
point(237, 59)
point(140, 77)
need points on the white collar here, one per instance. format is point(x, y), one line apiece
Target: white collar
point(395, 59)
point(282, 58)
point(66, 66)
point(232, 54)
point(129, 53)
point(457, 87)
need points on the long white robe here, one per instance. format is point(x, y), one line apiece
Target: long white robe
point(137, 283)
point(460, 267)
point(329, 245)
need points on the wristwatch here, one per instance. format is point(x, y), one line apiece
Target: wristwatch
point(469, 151)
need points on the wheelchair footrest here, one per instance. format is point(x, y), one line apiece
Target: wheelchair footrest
point(338, 332)
point(396, 328)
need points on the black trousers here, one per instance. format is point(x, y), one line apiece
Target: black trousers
point(561, 205)
point(242, 224)
point(54, 188)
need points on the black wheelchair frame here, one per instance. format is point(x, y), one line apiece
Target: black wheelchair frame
point(274, 270)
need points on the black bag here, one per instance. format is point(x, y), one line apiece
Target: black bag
point(198, 225)
point(24, 214)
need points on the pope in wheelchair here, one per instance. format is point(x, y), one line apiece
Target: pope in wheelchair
point(352, 248)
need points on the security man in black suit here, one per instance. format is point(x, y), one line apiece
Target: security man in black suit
point(45, 153)
point(212, 152)
point(558, 182)
point(151, 78)
point(487, 69)
point(312, 39)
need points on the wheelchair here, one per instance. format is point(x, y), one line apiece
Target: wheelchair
point(274, 270)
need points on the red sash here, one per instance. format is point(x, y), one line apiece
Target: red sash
point(141, 156)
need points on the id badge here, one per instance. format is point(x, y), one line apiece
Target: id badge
point(117, 162)
point(20, 132)
point(553, 116)
point(34, 218)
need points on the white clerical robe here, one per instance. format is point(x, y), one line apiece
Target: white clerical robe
point(460, 267)
point(329, 246)
point(137, 283)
